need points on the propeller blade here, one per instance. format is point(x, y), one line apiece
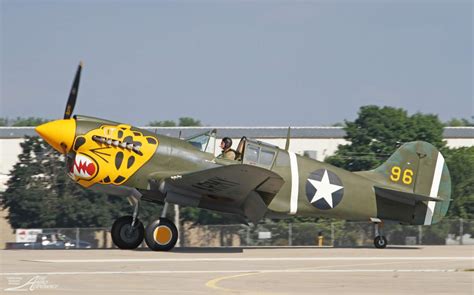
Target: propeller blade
point(71, 102)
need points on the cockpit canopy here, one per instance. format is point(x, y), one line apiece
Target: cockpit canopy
point(257, 153)
point(205, 142)
point(248, 151)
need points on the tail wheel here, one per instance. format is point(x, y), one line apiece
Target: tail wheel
point(380, 242)
point(161, 235)
point(124, 235)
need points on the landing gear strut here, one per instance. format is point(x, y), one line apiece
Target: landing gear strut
point(380, 241)
point(161, 234)
point(128, 231)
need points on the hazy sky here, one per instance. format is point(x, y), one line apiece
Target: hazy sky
point(260, 63)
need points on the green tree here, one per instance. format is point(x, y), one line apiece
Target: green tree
point(21, 122)
point(378, 132)
point(30, 121)
point(165, 123)
point(459, 122)
point(183, 122)
point(187, 121)
point(460, 162)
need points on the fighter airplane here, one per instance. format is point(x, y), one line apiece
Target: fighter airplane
point(412, 187)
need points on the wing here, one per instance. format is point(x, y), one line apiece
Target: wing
point(240, 189)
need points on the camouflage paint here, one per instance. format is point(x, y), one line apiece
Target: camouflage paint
point(160, 157)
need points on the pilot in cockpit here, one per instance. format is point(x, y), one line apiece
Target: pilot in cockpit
point(227, 151)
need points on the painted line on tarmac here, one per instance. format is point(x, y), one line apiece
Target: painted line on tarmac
point(213, 283)
point(210, 259)
point(226, 271)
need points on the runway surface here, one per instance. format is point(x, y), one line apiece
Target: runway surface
point(395, 270)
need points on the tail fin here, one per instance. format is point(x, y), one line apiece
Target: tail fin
point(420, 169)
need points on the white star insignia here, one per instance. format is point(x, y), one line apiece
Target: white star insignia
point(324, 189)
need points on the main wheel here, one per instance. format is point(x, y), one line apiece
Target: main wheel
point(161, 235)
point(380, 242)
point(124, 235)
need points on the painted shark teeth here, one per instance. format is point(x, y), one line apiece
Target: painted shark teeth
point(83, 167)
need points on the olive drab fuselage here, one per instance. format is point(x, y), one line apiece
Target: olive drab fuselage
point(129, 157)
point(259, 180)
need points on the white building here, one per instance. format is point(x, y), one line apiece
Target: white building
point(316, 142)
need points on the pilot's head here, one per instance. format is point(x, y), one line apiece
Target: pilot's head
point(226, 143)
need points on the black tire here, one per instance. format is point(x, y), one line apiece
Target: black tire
point(124, 236)
point(169, 235)
point(380, 242)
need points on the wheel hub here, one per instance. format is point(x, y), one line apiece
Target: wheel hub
point(129, 233)
point(162, 235)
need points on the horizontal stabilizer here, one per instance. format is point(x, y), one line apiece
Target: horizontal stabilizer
point(403, 197)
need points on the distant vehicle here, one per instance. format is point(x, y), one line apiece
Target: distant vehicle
point(53, 241)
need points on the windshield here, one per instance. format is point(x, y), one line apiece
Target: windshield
point(204, 142)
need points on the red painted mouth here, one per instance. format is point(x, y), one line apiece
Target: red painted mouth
point(83, 167)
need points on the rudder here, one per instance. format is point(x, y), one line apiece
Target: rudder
point(418, 167)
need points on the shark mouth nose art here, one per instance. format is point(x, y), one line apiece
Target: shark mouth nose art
point(83, 167)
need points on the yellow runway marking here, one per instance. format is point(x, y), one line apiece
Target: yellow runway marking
point(213, 283)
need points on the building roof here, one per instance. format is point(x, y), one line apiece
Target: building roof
point(251, 132)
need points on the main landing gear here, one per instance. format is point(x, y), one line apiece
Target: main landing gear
point(126, 234)
point(128, 231)
point(380, 241)
point(161, 234)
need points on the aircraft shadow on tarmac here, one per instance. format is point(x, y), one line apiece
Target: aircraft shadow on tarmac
point(371, 247)
point(238, 249)
point(201, 249)
point(241, 249)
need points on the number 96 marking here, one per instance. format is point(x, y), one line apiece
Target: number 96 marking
point(405, 175)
